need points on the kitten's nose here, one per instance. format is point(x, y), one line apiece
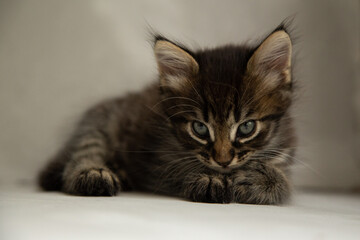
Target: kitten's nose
point(223, 153)
point(224, 157)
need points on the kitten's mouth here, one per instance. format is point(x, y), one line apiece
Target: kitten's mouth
point(221, 169)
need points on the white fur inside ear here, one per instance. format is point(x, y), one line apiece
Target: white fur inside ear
point(173, 60)
point(273, 55)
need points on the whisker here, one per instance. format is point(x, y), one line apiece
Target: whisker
point(152, 109)
point(183, 105)
point(170, 98)
point(193, 87)
point(276, 153)
point(174, 169)
point(180, 113)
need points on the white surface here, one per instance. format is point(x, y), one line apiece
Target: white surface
point(59, 57)
point(27, 214)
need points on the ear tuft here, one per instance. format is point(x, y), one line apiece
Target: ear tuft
point(172, 60)
point(175, 64)
point(273, 56)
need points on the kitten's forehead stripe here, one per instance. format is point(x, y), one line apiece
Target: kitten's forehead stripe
point(229, 111)
point(206, 111)
point(213, 111)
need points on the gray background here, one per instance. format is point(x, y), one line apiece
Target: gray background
point(59, 57)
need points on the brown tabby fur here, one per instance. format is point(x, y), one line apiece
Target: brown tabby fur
point(142, 141)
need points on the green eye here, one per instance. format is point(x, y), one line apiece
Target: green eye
point(247, 128)
point(200, 129)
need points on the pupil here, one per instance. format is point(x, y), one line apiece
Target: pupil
point(247, 127)
point(200, 128)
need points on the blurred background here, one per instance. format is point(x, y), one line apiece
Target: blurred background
point(57, 58)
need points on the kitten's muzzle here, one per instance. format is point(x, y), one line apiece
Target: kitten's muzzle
point(224, 157)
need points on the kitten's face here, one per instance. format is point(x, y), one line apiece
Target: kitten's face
point(226, 104)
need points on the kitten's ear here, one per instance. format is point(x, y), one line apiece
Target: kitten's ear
point(174, 63)
point(273, 56)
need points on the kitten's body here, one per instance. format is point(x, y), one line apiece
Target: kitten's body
point(144, 141)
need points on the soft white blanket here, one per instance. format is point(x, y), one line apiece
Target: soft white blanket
point(26, 213)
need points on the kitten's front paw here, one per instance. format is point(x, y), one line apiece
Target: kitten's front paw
point(206, 188)
point(93, 182)
point(260, 184)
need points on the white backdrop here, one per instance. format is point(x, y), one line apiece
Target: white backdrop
point(59, 57)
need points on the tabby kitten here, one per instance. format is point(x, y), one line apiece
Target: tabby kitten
point(215, 128)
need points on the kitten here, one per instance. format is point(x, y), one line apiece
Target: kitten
point(215, 128)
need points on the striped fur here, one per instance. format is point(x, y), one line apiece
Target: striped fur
point(145, 141)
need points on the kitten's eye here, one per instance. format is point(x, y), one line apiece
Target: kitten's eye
point(246, 129)
point(200, 129)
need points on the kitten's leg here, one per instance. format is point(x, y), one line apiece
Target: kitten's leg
point(87, 173)
point(208, 188)
point(81, 168)
point(259, 183)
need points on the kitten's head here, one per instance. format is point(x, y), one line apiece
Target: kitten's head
point(229, 104)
